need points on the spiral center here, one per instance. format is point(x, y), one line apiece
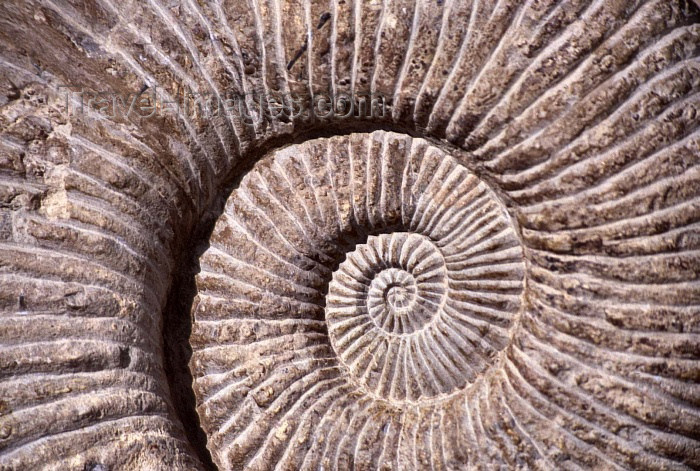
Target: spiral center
point(407, 281)
point(391, 301)
point(398, 297)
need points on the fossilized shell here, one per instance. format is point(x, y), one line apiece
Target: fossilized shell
point(413, 315)
point(318, 337)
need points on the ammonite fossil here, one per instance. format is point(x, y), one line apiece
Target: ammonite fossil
point(397, 235)
point(295, 317)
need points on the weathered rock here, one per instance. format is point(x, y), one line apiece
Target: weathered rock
point(495, 267)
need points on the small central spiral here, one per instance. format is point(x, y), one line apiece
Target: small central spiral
point(408, 284)
point(382, 305)
point(399, 296)
point(394, 287)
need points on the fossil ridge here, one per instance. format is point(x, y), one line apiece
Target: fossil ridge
point(557, 138)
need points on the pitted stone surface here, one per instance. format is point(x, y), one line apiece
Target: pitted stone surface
point(579, 116)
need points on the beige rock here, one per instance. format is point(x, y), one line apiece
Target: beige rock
point(490, 263)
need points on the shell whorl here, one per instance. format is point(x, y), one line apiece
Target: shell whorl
point(577, 123)
point(406, 319)
point(395, 326)
point(407, 325)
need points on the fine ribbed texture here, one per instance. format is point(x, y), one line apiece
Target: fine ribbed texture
point(543, 156)
point(411, 318)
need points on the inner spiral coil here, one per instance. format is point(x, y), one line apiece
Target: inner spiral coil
point(292, 313)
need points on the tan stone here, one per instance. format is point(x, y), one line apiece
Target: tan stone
point(193, 290)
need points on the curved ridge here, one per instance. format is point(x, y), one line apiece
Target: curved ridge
point(580, 115)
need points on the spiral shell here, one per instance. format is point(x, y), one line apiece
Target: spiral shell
point(558, 139)
point(413, 315)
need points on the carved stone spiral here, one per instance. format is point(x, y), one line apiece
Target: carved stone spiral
point(413, 315)
point(500, 271)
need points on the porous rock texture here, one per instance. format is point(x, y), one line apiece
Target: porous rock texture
point(498, 272)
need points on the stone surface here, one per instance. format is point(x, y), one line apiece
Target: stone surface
point(133, 246)
point(414, 315)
